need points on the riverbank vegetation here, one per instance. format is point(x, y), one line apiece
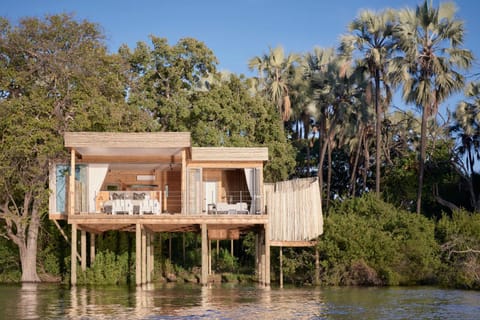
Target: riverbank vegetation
point(400, 187)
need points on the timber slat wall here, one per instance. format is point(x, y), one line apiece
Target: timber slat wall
point(294, 210)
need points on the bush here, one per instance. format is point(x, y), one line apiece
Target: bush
point(368, 241)
point(225, 262)
point(459, 239)
point(107, 268)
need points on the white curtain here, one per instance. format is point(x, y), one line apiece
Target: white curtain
point(250, 179)
point(96, 175)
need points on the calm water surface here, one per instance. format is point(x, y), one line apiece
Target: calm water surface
point(234, 302)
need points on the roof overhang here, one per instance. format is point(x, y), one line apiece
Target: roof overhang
point(256, 154)
point(104, 145)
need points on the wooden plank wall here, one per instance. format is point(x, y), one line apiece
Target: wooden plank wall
point(294, 209)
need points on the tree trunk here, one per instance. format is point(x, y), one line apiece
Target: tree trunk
point(378, 133)
point(353, 176)
point(323, 151)
point(421, 164)
point(366, 162)
point(329, 171)
point(29, 259)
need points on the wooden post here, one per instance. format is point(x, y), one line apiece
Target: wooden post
point(152, 255)
point(184, 182)
point(83, 249)
point(148, 257)
point(71, 184)
point(218, 247)
point(138, 254)
point(267, 254)
point(73, 257)
point(281, 266)
point(317, 266)
point(209, 253)
point(258, 269)
point(144, 256)
point(92, 248)
point(231, 247)
point(204, 278)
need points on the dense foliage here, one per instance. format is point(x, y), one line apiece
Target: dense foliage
point(326, 113)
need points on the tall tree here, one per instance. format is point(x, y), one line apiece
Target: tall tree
point(466, 130)
point(336, 93)
point(164, 76)
point(429, 65)
point(274, 71)
point(371, 36)
point(55, 75)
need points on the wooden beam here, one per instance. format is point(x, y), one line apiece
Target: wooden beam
point(292, 243)
point(178, 219)
point(160, 159)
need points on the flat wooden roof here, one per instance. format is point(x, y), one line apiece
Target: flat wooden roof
point(229, 154)
point(144, 140)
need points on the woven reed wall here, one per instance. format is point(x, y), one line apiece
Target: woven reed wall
point(294, 209)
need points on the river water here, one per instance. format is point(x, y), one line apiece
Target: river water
point(51, 301)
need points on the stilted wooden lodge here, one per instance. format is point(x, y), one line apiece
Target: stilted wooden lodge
point(149, 183)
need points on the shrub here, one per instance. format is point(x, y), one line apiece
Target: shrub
point(368, 241)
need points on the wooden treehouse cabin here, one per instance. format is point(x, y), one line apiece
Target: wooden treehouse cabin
point(157, 182)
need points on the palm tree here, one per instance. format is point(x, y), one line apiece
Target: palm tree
point(371, 35)
point(467, 130)
point(274, 72)
point(428, 66)
point(336, 92)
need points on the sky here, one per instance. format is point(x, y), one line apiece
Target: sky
point(235, 30)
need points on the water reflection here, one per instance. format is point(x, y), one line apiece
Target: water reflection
point(175, 301)
point(28, 302)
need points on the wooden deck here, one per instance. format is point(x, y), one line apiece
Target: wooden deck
point(98, 223)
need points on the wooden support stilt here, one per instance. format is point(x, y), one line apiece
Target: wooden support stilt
point(73, 260)
point(138, 254)
point(267, 255)
point(83, 250)
point(317, 266)
point(144, 256)
point(258, 270)
point(281, 266)
point(92, 248)
point(160, 246)
point(218, 247)
point(231, 247)
point(204, 278)
point(148, 257)
point(152, 255)
point(209, 253)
